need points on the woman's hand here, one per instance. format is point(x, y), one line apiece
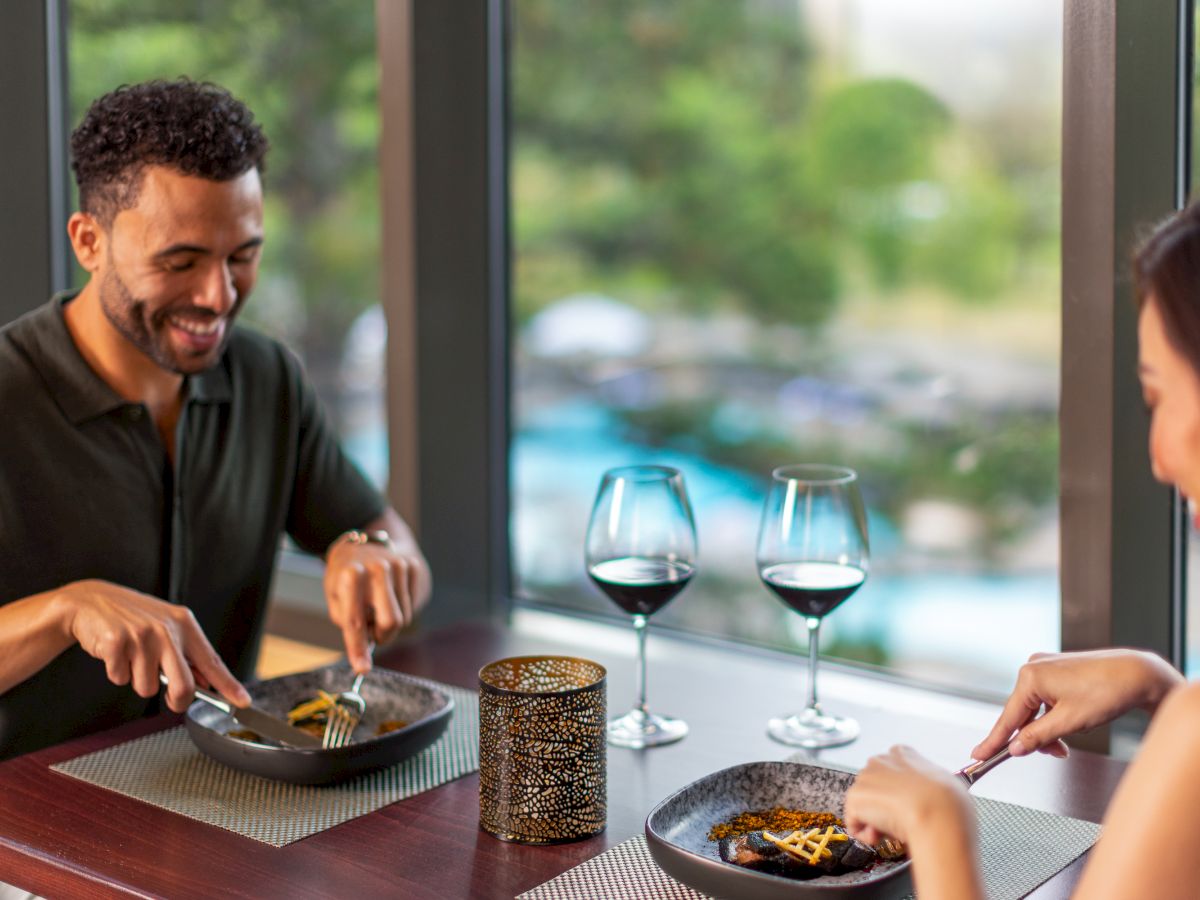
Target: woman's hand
point(901, 791)
point(1079, 691)
point(904, 796)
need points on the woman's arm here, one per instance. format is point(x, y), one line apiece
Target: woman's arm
point(1148, 845)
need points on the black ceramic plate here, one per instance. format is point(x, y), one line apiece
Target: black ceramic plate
point(389, 695)
point(677, 834)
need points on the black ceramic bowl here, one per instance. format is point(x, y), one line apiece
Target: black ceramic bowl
point(677, 834)
point(389, 695)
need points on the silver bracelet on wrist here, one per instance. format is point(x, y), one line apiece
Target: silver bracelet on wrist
point(358, 536)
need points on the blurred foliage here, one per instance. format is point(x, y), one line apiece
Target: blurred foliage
point(308, 71)
point(874, 135)
point(660, 145)
point(693, 155)
point(1003, 465)
point(683, 156)
point(688, 154)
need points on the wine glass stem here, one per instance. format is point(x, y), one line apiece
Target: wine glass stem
point(814, 631)
point(639, 625)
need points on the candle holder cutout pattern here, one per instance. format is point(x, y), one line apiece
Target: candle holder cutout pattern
point(542, 752)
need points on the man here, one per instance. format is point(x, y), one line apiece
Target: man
point(153, 453)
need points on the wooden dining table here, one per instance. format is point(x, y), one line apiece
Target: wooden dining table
point(61, 837)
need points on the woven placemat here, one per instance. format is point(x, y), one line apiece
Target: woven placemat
point(1015, 856)
point(166, 770)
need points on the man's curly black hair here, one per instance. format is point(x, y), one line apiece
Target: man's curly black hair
point(194, 127)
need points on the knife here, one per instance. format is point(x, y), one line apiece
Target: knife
point(259, 722)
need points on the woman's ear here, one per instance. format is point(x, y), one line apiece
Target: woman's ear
point(87, 239)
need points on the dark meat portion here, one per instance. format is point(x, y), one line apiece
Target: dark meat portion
point(753, 851)
point(856, 855)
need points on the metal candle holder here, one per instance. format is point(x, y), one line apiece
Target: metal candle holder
point(542, 753)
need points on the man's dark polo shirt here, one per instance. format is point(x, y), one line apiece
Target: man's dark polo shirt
point(87, 491)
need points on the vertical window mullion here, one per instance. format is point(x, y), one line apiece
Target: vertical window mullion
point(33, 245)
point(461, 264)
point(1120, 164)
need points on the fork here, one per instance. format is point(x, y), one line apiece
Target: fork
point(340, 723)
point(347, 711)
point(890, 848)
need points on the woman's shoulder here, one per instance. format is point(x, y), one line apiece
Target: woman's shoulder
point(1173, 739)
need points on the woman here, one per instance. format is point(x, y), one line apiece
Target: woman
point(1160, 792)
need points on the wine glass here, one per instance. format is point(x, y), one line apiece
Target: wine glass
point(812, 553)
point(641, 551)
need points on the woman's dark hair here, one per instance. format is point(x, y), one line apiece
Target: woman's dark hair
point(194, 127)
point(1166, 269)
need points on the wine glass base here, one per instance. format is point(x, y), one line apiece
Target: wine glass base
point(812, 729)
point(637, 729)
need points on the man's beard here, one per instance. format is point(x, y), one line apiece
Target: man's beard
point(149, 331)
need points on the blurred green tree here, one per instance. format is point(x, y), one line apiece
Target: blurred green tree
point(665, 158)
point(683, 153)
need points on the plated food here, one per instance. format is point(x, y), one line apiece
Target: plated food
point(799, 854)
point(422, 710)
point(791, 843)
point(700, 836)
point(311, 715)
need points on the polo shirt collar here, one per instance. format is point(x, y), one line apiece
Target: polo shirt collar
point(211, 385)
point(79, 391)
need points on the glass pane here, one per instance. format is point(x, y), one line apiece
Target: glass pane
point(309, 72)
point(754, 233)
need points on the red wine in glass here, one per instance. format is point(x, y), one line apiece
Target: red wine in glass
point(812, 554)
point(813, 588)
point(640, 550)
point(641, 585)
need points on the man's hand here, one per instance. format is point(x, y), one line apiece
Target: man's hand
point(373, 590)
point(1080, 691)
point(137, 636)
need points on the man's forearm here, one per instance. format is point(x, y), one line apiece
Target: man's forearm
point(33, 631)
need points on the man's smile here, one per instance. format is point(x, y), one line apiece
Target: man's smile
point(197, 334)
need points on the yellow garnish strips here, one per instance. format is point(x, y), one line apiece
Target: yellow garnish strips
point(805, 845)
point(318, 704)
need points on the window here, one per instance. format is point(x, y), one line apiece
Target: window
point(747, 234)
point(1126, 89)
point(309, 72)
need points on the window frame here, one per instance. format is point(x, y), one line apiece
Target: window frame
point(1126, 106)
point(1124, 164)
point(34, 177)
